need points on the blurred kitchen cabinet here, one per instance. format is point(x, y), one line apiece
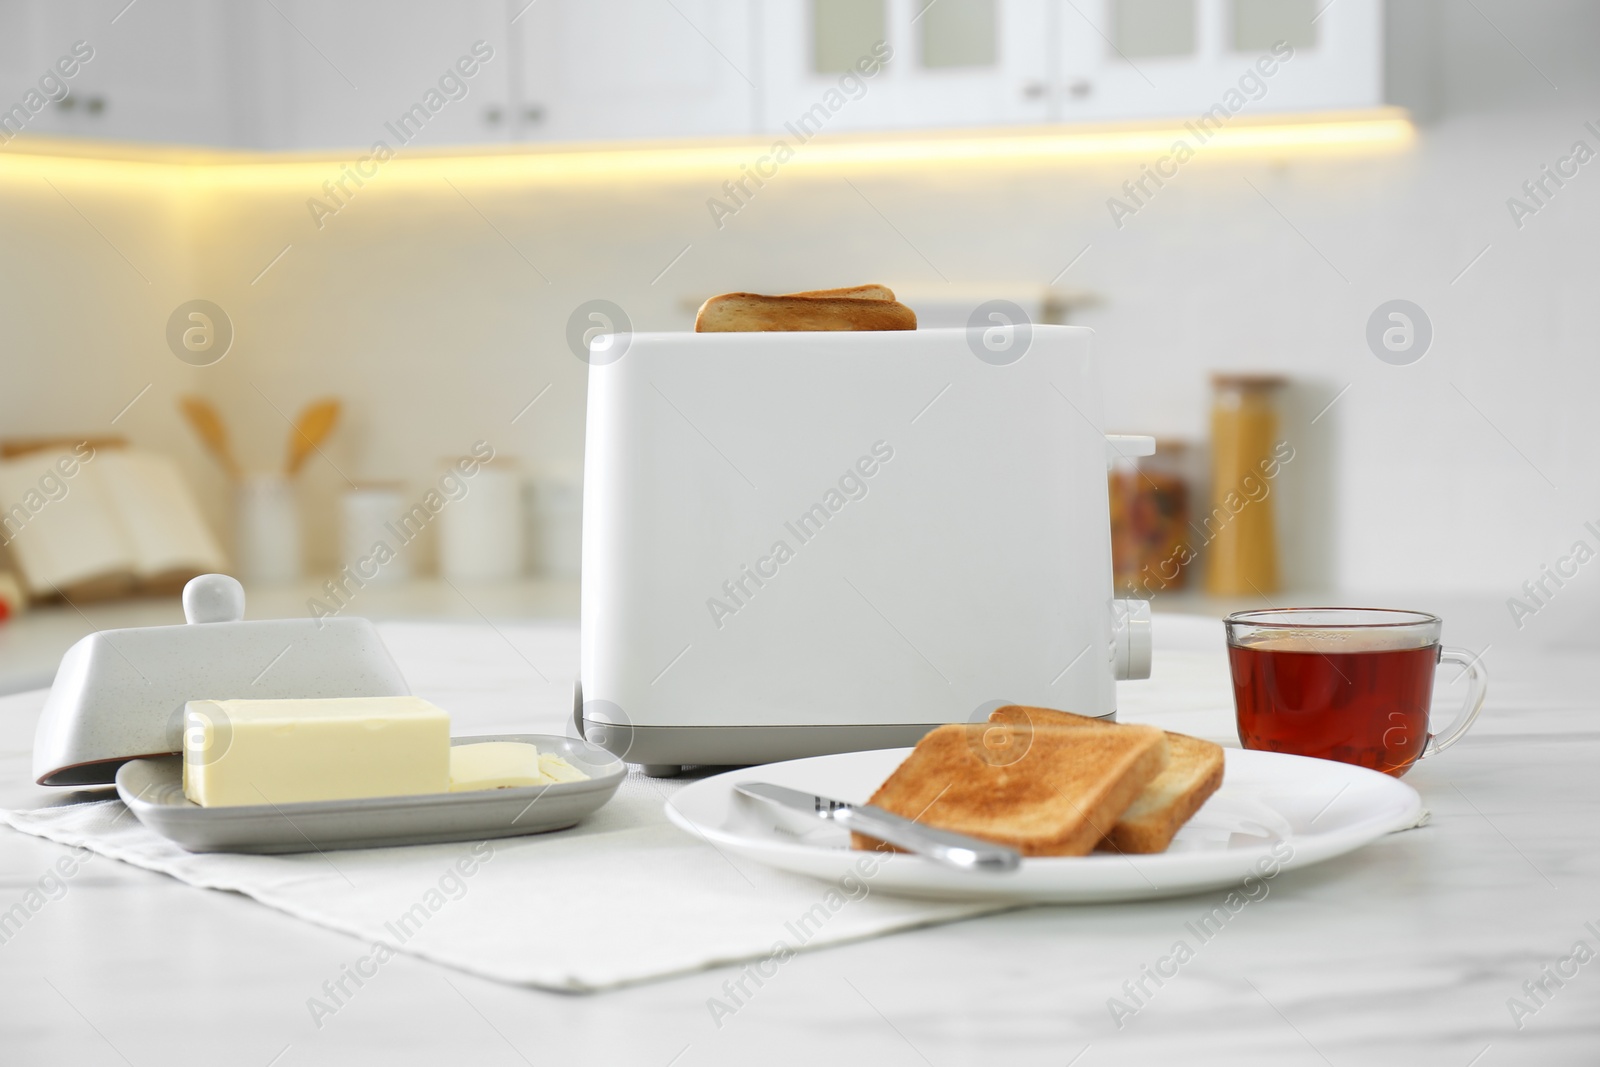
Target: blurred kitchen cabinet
point(997, 62)
point(284, 74)
point(1127, 59)
point(949, 63)
point(307, 74)
point(156, 71)
point(608, 69)
point(351, 74)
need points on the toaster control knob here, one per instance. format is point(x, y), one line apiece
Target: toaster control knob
point(1130, 638)
point(213, 598)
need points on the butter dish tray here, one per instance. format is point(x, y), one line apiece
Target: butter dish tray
point(153, 790)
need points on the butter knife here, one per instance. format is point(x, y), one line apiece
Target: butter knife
point(954, 850)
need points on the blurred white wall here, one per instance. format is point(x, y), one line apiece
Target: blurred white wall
point(437, 324)
point(88, 275)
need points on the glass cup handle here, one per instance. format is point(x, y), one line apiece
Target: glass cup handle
point(1477, 687)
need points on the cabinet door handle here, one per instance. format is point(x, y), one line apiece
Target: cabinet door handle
point(1077, 88)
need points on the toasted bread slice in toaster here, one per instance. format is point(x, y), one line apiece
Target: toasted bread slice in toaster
point(1059, 799)
point(1193, 772)
point(854, 292)
point(751, 313)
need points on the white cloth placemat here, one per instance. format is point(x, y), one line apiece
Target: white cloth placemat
point(624, 897)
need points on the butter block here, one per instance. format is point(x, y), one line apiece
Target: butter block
point(494, 765)
point(291, 751)
point(558, 769)
point(506, 765)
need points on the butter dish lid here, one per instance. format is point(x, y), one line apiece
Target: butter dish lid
point(119, 694)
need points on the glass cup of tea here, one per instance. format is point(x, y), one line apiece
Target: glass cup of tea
point(1347, 684)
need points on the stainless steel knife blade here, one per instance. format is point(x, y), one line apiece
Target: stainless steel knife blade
point(942, 846)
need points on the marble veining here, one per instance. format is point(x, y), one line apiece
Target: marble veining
point(1406, 952)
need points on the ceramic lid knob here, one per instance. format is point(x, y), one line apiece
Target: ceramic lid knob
point(213, 598)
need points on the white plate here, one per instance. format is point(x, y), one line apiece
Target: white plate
point(153, 790)
point(1273, 812)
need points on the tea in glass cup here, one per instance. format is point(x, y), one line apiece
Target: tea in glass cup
point(1347, 684)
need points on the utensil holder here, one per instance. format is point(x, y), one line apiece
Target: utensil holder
point(267, 530)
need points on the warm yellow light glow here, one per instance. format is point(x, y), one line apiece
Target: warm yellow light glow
point(192, 170)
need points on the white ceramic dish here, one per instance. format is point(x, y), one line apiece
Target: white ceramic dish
point(153, 791)
point(1274, 812)
point(119, 694)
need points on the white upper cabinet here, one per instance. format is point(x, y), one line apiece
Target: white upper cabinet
point(309, 74)
point(348, 75)
point(279, 74)
point(906, 64)
point(1179, 58)
point(155, 71)
point(996, 62)
point(639, 69)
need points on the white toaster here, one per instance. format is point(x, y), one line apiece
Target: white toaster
point(804, 543)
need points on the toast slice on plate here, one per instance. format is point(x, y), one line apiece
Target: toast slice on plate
point(1193, 772)
point(752, 313)
point(1059, 799)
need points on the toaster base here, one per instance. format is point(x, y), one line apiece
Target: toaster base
point(662, 751)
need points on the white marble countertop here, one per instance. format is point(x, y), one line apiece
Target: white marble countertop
point(1406, 952)
point(32, 643)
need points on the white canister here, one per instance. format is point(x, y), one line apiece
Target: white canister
point(267, 530)
point(480, 532)
point(368, 513)
point(556, 510)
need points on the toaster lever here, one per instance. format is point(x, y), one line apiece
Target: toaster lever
point(1129, 446)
